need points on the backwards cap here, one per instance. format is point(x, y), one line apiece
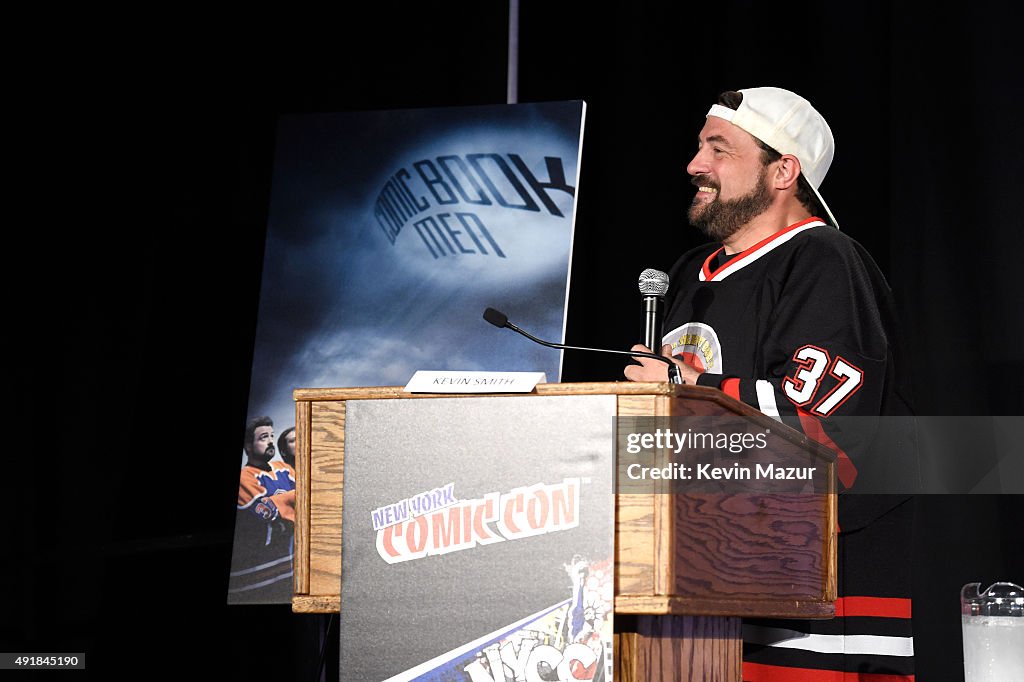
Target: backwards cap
point(787, 123)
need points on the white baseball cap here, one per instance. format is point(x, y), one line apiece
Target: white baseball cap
point(787, 123)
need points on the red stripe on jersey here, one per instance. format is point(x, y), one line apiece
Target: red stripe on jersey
point(758, 672)
point(731, 387)
point(847, 471)
point(706, 268)
point(878, 607)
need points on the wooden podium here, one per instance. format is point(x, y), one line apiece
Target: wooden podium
point(687, 567)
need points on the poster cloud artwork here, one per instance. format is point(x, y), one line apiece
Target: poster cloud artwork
point(389, 233)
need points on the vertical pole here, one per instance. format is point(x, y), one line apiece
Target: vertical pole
point(513, 52)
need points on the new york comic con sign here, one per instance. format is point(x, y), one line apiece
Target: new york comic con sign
point(435, 522)
point(443, 199)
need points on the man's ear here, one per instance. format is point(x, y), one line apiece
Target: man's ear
point(787, 172)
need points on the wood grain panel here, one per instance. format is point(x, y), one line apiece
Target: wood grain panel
point(309, 604)
point(300, 562)
point(620, 388)
point(688, 648)
point(634, 544)
point(624, 657)
point(721, 606)
point(634, 520)
point(325, 492)
point(738, 546)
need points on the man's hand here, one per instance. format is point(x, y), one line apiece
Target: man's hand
point(650, 369)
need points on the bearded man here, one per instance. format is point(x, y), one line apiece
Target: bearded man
point(786, 313)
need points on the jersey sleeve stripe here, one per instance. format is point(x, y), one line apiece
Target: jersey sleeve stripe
point(883, 607)
point(758, 672)
point(845, 469)
point(731, 387)
point(873, 645)
point(766, 399)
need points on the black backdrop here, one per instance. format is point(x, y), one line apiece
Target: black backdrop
point(135, 246)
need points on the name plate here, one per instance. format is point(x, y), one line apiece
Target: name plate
point(425, 381)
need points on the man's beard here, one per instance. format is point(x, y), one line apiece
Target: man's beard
point(268, 454)
point(720, 219)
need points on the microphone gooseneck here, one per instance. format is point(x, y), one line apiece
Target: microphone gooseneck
point(499, 319)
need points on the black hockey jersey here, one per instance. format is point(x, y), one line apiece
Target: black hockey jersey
point(803, 327)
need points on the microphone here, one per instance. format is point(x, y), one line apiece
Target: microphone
point(499, 319)
point(653, 287)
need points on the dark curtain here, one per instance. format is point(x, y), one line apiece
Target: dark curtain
point(134, 264)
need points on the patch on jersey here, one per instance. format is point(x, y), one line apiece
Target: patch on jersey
point(696, 344)
point(276, 481)
point(266, 509)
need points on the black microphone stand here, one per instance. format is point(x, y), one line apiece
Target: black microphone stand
point(499, 319)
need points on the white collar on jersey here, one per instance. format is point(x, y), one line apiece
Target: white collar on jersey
point(751, 254)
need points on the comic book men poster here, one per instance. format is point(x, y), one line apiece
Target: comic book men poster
point(389, 233)
point(477, 540)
